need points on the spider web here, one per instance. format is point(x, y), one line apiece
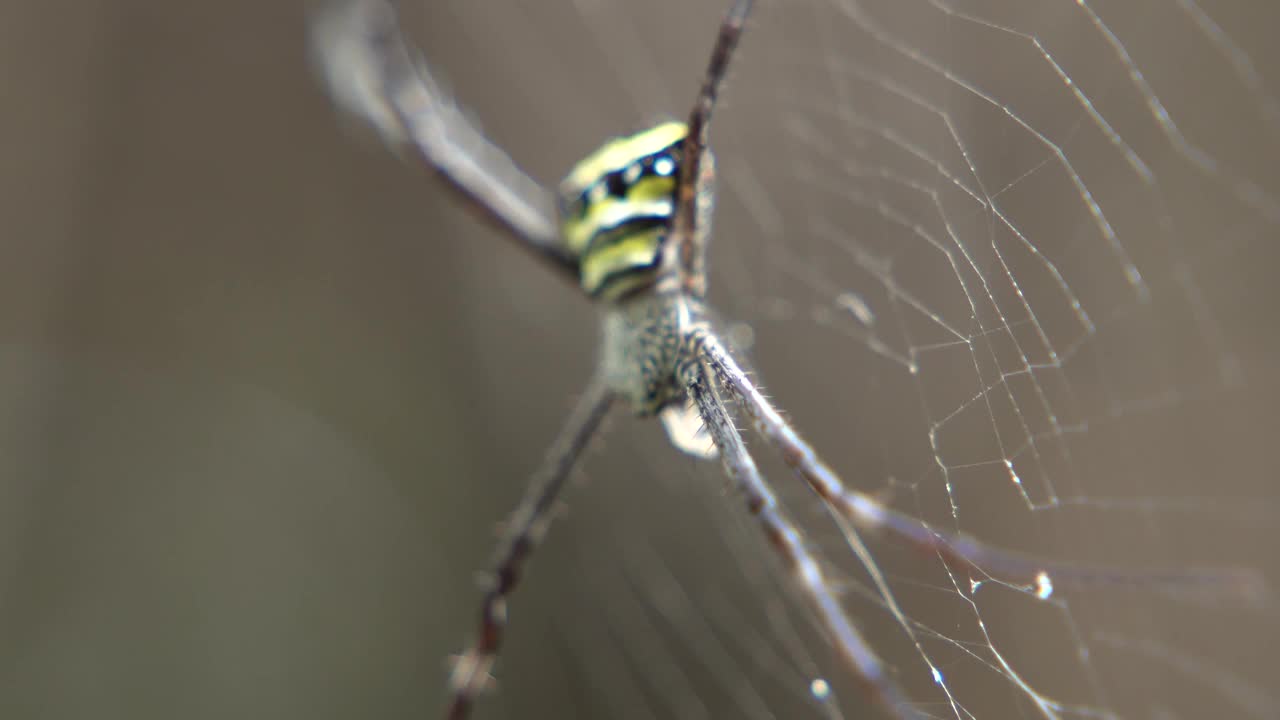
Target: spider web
point(264, 393)
point(992, 258)
point(1009, 207)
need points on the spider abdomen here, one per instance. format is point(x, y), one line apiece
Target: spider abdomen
point(616, 209)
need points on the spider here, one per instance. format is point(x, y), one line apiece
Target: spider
point(629, 227)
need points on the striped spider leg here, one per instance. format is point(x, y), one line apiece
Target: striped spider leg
point(701, 378)
point(631, 231)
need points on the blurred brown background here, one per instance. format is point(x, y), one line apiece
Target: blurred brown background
point(264, 392)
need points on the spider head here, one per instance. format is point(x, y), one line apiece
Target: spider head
point(616, 207)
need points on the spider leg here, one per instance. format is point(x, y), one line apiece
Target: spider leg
point(786, 540)
point(523, 531)
point(1240, 584)
point(371, 72)
point(692, 192)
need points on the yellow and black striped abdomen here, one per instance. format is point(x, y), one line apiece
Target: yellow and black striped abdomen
point(616, 208)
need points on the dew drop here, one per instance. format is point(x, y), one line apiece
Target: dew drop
point(1044, 585)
